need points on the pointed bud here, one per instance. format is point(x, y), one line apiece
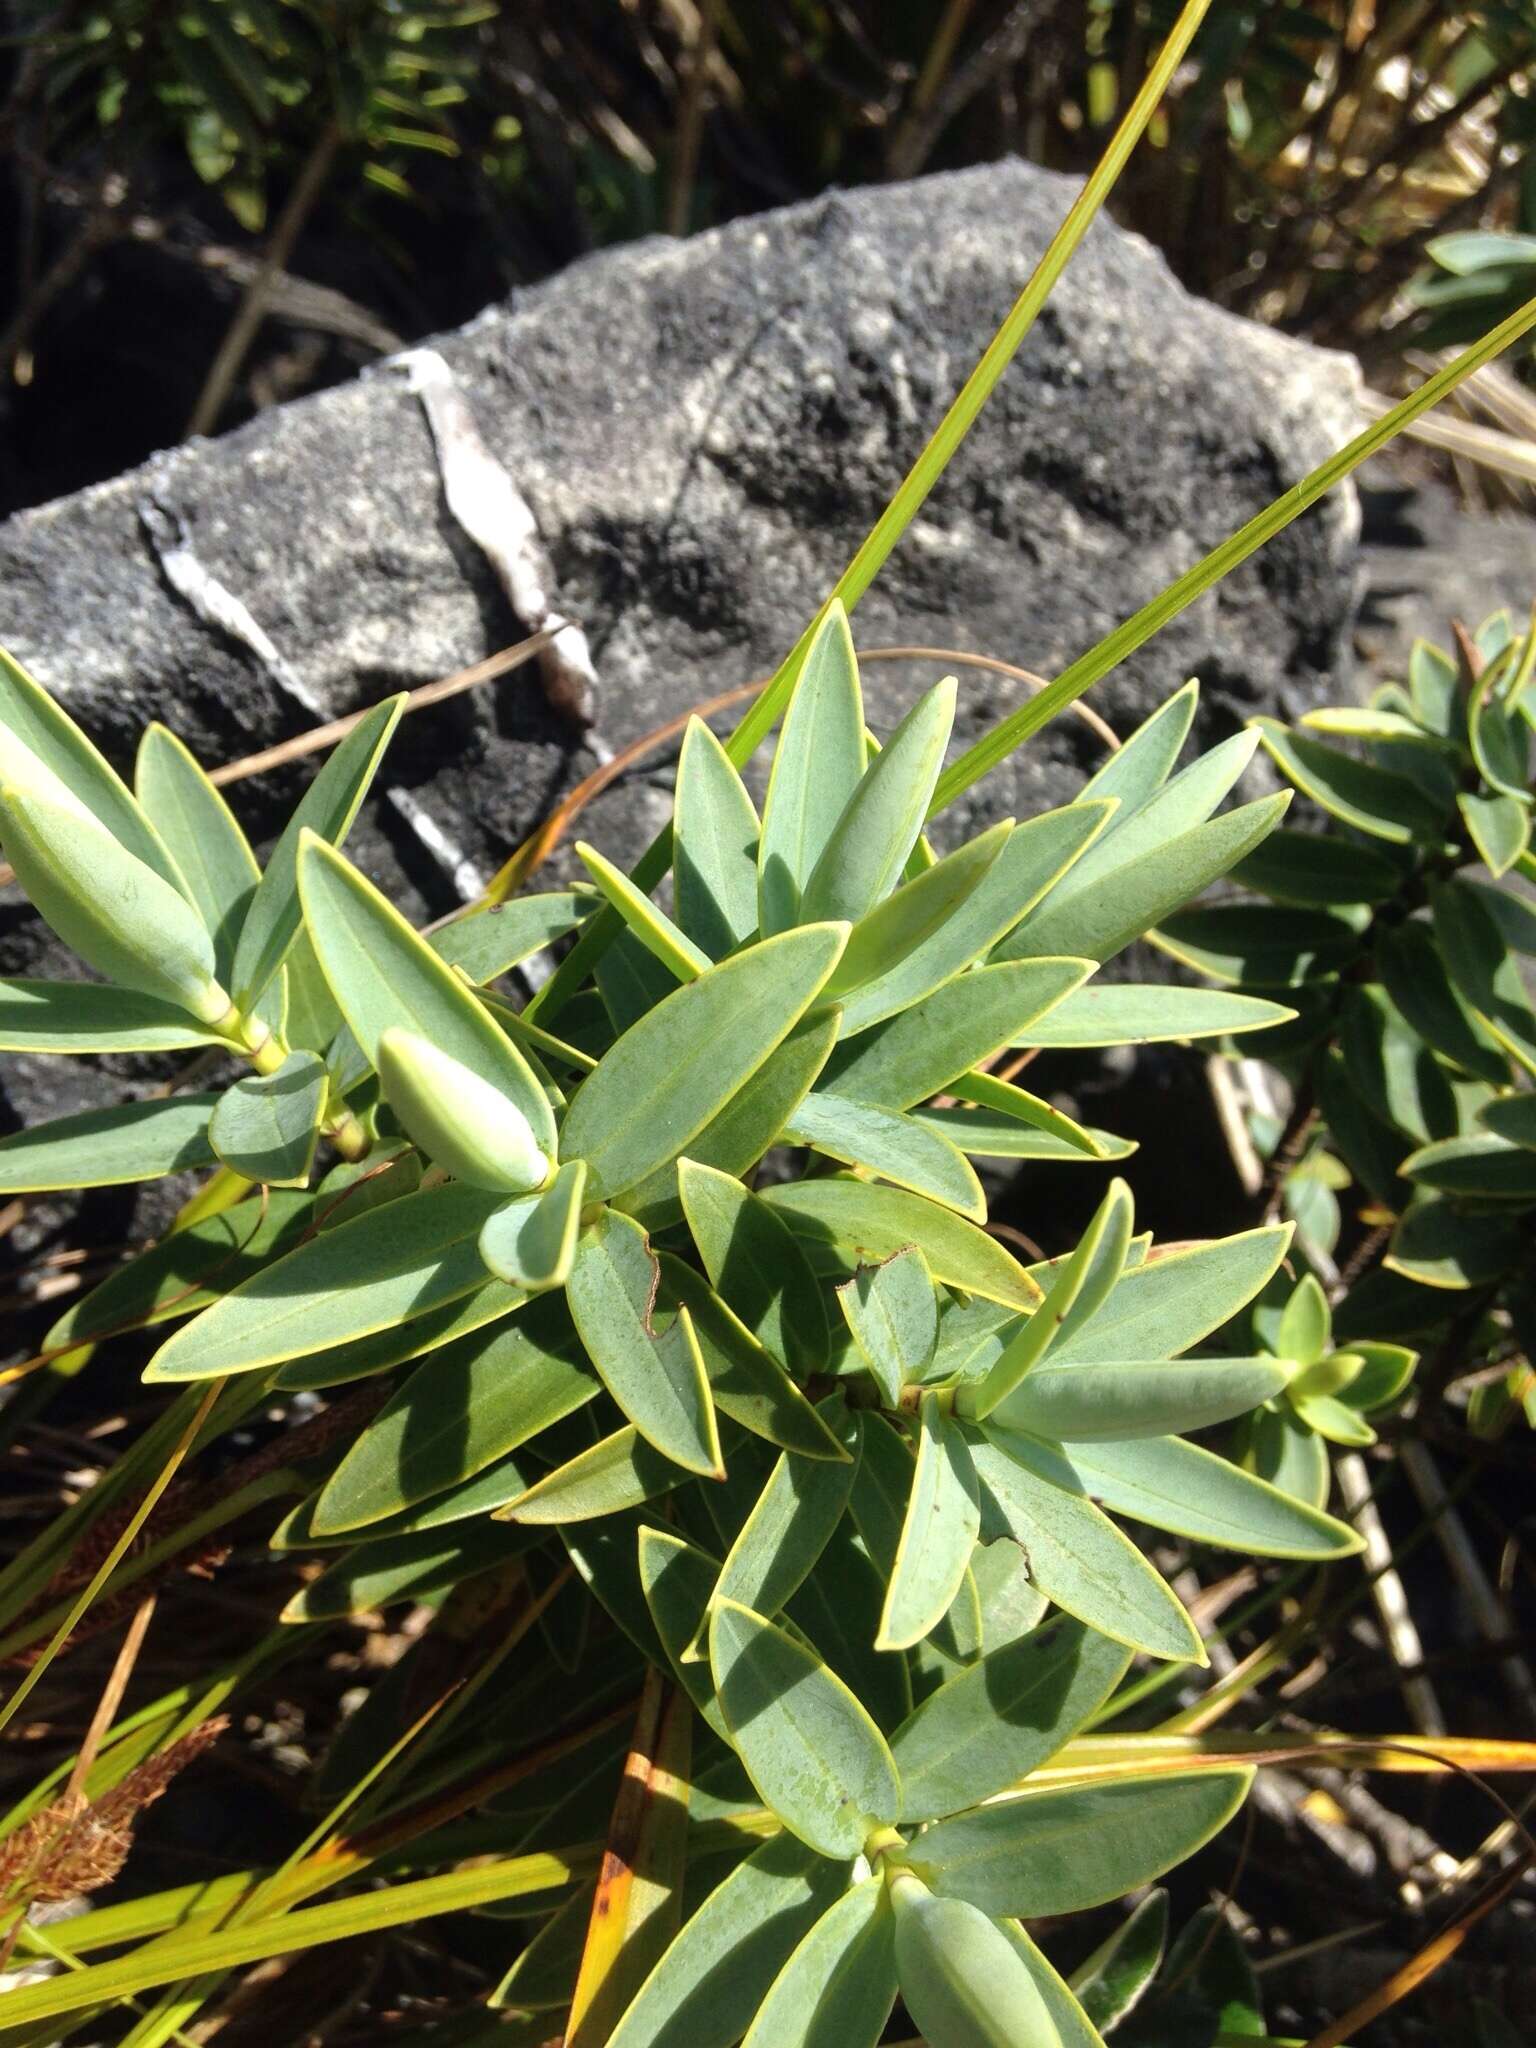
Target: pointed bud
point(119, 915)
point(963, 1982)
point(461, 1122)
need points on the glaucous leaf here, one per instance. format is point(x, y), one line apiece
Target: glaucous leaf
point(399, 1568)
point(861, 1223)
point(817, 766)
point(788, 1529)
point(397, 1344)
point(837, 1989)
point(1162, 1307)
point(991, 1134)
point(962, 1982)
point(756, 1265)
point(1062, 1851)
point(1134, 1014)
point(1498, 826)
point(1261, 945)
point(1113, 1403)
point(683, 960)
point(892, 1314)
point(1073, 2027)
point(212, 855)
point(618, 1472)
point(266, 1126)
point(91, 1016)
point(989, 1726)
point(938, 1533)
point(109, 1147)
point(1478, 1164)
point(895, 1147)
point(675, 1070)
point(868, 846)
point(706, 1988)
point(1077, 1557)
point(530, 1242)
point(399, 1262)
point(714, 846)
point(1111, 1982)
point(813, 1753)
point(475, 1400)
point(656, 1376)
point(1318, 870)
point(1372, 799)
point(488, 943)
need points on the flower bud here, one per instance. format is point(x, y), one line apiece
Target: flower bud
point(461, 1122)
point(114, 910)
point(963, 1982)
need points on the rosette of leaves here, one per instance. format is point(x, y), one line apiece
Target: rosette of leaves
point(1329, 1393)
point(1400, 934)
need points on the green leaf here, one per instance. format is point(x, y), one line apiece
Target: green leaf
point(657, 1377)
point(89, 1016)
point(678, 1581)
point(680, 1065)
point(933, 949)
point(489, 942)
point(837, 1989)
point(1162, 1307)
point(706, 1988)
point(187, 1269)
point(1318, 871)
point(747, 1383)
point(397, 1344)
point(920, 1052)
point(788, 1529)
point(1393, 1069)
point(1374, 800)
point(475, 1400)
point(118, 914)
point(48, 733)
point(400, 1261)
point(266, 1126)
point(938, 1533)
point(103, 1148)
point(327, 809)
point(1438, 1244)
point(1140, 767)
point(1077, 1292)
point(1478, 1164)
point(212, 854)
point(384, 976)
point(868, 846)
point(895, 1147)
point(1261, 944)
point(1109, 1403)
point(1305, 1331)
point(813, 1753)
point(683, 960)
point(1512, 916)
point(1134, 1014)
point(988, 1134)
point(892, 1314)
point(862, 1224)
point(756, 1266)
point(398, 1568)
point(736, 1138)
point(714, 846)
point(991, 1725)
point(1178, 1486)
point(630, 980)
point(1434, 685)
point(1415, 979)
point(1077, 1557)
point(1073, 2027)
point(1111, 1982)
point(1512, 1117)
point(530, 1242)
point(1498, 826)
point(1062, 1851)
point(1486, 976)
point(817, 766)
point(619, 1472)
point(962, 1981)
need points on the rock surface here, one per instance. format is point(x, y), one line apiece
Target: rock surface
point(705, 430)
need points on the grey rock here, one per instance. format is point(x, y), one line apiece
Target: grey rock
point(705, 430)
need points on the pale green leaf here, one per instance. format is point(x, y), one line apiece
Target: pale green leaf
point(657, 1377)
point(1498, 826)
point(816, 768)
point(1372, 799)
point(938, 1533)
point(1305, 1330)
point(1062, 1851)
point(1110, 1403)
point(397, 1344)
point(962, 1982)
point(399, 1262)
point(837, 1989)
point(680, 1065)
point(991, 1134)
point(1136, 1014)
point(266, 1126)
point(212, 854)
point(1074, 2029)
point(789, 1526)
point(892, 1314)
point(714, 846)
point(327, 809)
point(397, 1568)
point(868, 846)
point(619, 1472)
point(756, 1266)
point(530, 1242)
point(1139, 768)
point(683, 960)
point(991, 1725)
point(1162, 1307)
point(489, 942)
point(895, 1147)
point(90, 1016)
point(109, 1147)
point(862, 1224)
point(814, 1754)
